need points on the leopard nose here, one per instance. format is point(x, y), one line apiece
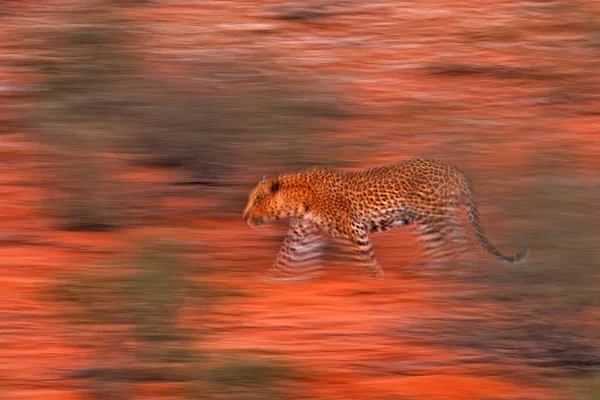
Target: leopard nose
point(258, 221)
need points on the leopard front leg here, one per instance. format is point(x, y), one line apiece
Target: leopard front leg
point(298, 256)
point(359, 240)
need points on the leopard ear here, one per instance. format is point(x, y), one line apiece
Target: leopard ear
point(275, 186)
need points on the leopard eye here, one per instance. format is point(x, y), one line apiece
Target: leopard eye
point(275, 186)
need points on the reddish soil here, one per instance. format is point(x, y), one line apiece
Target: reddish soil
point(346, 333)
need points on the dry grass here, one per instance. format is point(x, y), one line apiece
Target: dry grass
point(538, 313)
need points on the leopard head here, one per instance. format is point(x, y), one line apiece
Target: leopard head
point(266, 202)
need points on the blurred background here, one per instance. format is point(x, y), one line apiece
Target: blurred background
point(133, 130)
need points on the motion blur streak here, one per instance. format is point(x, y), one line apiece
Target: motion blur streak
point(132, 132)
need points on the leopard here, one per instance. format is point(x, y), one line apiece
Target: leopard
point(321, 201)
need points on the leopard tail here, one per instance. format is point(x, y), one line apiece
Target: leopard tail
point(473, 215)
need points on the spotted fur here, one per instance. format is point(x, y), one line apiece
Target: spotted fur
point(428, 193)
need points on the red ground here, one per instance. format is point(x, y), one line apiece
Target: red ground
point(340, 329)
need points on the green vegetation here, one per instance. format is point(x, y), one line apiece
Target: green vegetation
point(130, 314)
point(97, 108)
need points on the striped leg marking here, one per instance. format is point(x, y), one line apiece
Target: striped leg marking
point(364, 251)
point(443, 239)
point(299, 255)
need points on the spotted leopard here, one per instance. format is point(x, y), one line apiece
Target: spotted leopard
point(318, 201)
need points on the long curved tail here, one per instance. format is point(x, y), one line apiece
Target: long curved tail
point(473, 216)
